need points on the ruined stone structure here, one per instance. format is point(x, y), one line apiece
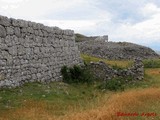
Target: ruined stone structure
point(33, 52)
point(103, 38)
point(116, 50)
point(102, 71)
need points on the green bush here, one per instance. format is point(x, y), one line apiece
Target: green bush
point(152, 63)
point(65, 74)
point(76, 74)
point(115, 84)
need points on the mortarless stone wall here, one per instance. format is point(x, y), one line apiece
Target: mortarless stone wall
point(102, 71)
point(33, 52)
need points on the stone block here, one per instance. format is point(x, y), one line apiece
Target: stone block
point(34, 77)
point(23, 23)
point(40, 33)
point(36, 32)
point(30, 24)
point(5, 21)
point(17, 31)
point(30, 30)
point(8, 40)
point(21, 50)
point(24, 30)
point(10, 30)
point(13, 50)
point(2, 31)
point(14, 22)
point(36, 50)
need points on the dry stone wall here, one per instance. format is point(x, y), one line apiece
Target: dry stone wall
point(33, 52)
point(102, 71)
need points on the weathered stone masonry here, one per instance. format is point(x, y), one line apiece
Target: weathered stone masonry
point(102, 71)
point(33, 52)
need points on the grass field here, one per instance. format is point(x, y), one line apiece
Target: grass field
point(60, 101)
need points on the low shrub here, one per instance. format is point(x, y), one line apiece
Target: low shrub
point(113, 84)
point(76, 74)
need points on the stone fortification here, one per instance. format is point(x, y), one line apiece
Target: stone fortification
point(33, 52)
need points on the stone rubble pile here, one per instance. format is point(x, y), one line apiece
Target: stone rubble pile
point(31, 52)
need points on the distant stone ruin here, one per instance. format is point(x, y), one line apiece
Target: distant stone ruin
point(103, 38)
point(31, 52)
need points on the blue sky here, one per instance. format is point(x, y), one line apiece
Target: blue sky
point(136, 21)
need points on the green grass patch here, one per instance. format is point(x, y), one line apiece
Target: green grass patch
point(55, 93)
point(154, 63)
point(79, 37)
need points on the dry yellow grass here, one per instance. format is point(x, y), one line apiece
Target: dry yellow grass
point(128, 102)
point(119, 63)
point(155, 71)
point(30, 110)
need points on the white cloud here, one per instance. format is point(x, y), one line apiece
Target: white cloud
point(150, 9)
point(6, 7)
point(11, 1)
point(37, 9)
point(86, 27)
point(69, 24)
